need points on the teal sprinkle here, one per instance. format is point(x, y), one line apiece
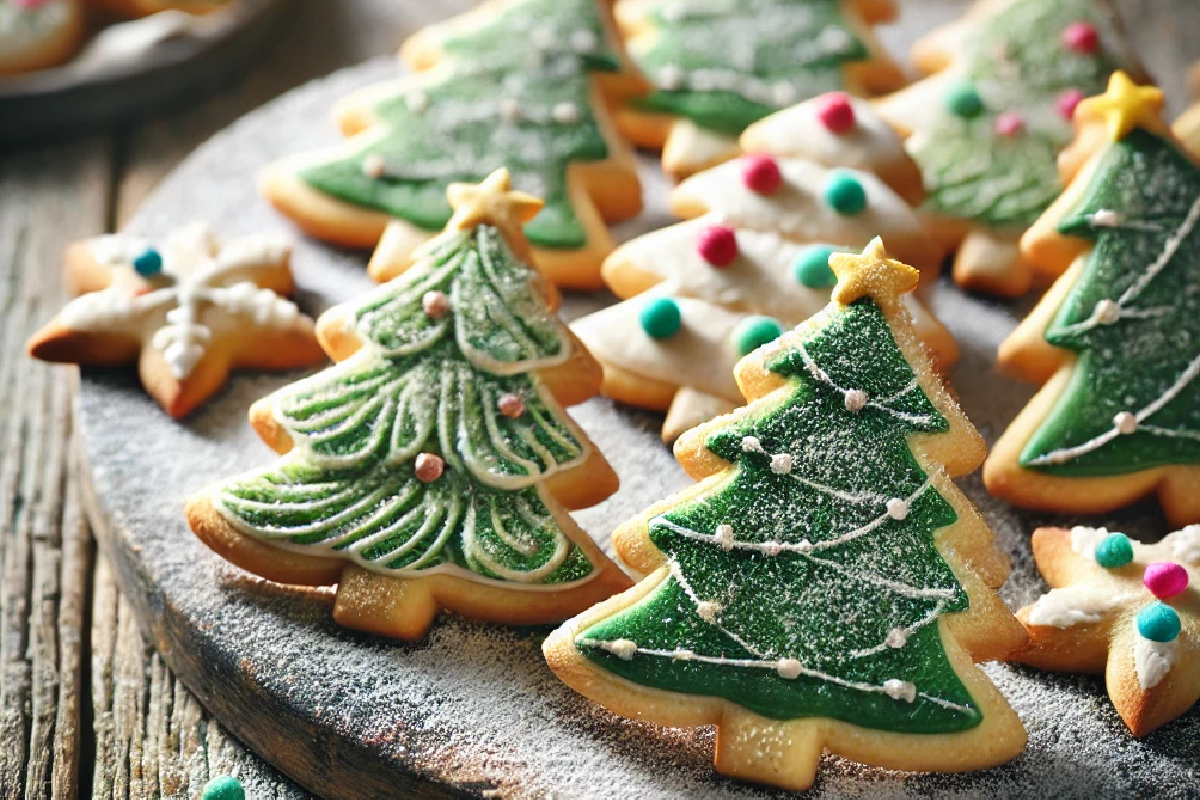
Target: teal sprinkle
point(1158, 622)
point(964, 101)
point(811, 267)
point(753, 332)
point(225, 787)
point(1114, 552)
point(660, 318)
point(149, 263)
point(844, 193)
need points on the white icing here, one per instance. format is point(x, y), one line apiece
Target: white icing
point(897, 509)
point(701, 355)
point(856, 400)
point(900, 690)
point(1185, 544)
point(1074, 605)
point(797, 132)
point(1153, 660)
point(209, 291)
point(797, 210)
point(1084, 540)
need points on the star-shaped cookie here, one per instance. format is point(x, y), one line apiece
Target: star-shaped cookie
point(1127, 609)
point(186, 312)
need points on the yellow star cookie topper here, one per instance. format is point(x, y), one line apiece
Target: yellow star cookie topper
point(872, 274)
point(1125, 106)
point(491, 202)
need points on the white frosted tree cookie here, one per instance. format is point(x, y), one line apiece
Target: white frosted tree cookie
point(514, 84)
point(1116, 340)
point(719, 66)
point(824, 586)
point(1125, 609)
point(186, 312)
point(433, 465)
point(753, 259)
point(987, 127)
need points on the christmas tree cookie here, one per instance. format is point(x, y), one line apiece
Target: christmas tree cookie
point(753, 260)
point(186, 311)
point(718, 66)
point(987, 127)
point(824, 586)
point(1123, 608)
point(1116, 340)
point(510, 86)
point(433, 465)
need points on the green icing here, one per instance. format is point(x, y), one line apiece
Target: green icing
point(426, 385)
point(456, 123)
point(1017, 62)
point(568, 26)
point(1154, 345)
point(739, 60)
point(831, 608)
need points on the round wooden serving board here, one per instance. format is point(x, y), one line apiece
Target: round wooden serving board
point(473, 710)
point(88, 94)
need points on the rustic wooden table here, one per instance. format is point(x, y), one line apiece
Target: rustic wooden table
point(85, 706)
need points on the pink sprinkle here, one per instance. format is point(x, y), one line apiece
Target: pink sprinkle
point(1009, 123)
point(718, 245)
point(761, 174)
point(1068, 101)
point(1165, 579)
point(1081, 37)
point(835, 112)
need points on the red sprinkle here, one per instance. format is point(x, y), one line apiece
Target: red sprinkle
point(1081, 37)
point(761, 174)
point(718, 245)
point(1068, 101)
point(1009, 123)
point(835, 112)
point(428, 467)
point(511, 405)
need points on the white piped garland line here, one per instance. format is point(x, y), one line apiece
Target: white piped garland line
point(1122, 426)
point(787, 668)
point(882, 403)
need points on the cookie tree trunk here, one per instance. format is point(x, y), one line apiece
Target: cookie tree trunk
point(436, 456)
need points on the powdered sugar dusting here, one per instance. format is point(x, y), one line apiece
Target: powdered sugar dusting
point(475, 706)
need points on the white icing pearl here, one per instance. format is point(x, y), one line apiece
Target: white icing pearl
point(750, 444)
point(856, 400)
point(708, 610)
point(542, 37)
point(804, 546)
point(834, 40)
point(897, 509)
point(1106, 218)
point(900, 690)
point(789, 668)
point(772, 548)
point(781, 463)
point(896, 638)
point(683, 654)
point(671, 77)
point(583, 41)
point(623, 649)
point(435, 304)
point(1107, 312)
point(784, 94)
point(565, 113)
point(725, 536)
point(374, 165)
point(510, 109)
point(1125, 422)
point(417, 101)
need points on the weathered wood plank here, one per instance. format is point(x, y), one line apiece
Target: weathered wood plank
point(47, 197)
point(153, 738)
